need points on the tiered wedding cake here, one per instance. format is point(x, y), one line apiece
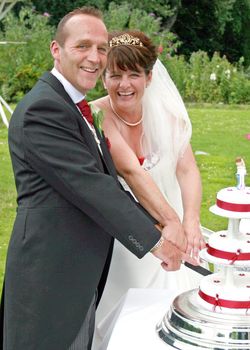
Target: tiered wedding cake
point(228, 291)
point(217, 314)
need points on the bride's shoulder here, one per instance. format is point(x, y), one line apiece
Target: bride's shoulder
point(102, 104)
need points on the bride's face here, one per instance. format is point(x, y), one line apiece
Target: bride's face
point(126, 87)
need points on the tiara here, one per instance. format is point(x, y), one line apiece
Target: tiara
point(125, 39)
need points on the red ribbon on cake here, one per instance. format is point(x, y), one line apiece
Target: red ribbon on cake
point(231, 304)
point(233, 256)
point(233, 207)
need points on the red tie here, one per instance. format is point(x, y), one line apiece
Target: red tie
point(85, 110)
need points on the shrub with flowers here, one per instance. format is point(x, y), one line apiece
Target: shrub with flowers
point(214, 80)
point(200, 79)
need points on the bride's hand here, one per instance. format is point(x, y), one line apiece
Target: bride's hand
point(195, 240)
point(174, 233)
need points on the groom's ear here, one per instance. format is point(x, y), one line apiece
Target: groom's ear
point(55, 50)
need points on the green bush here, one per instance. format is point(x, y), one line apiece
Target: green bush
point(200, 79)
point(117, 16)
point(240, 85)
point(214, 80)
point(197, 88)
point(178, 69)
point(23, 61)
point(125, 16)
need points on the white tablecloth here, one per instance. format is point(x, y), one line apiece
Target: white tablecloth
point(132, 325)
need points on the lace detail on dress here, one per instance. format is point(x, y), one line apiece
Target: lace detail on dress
point(147, 163)
point(150, 161)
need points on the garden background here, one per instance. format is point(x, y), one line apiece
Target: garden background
point(205, 46)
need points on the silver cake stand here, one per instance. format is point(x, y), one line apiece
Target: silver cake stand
point(188, 326)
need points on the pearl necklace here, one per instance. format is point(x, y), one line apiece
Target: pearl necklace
point(121, 119)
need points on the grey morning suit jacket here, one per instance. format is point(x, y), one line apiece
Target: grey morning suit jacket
point(70, 207)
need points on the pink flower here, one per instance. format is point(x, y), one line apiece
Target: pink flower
point(160, 49)
point(46, 14)
point(248, 136)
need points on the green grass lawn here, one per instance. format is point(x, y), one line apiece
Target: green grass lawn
point(7, 198)
point(222, 134)
point(219, 132)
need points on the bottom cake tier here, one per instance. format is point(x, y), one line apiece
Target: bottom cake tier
point(226, 292)
point(189, 326)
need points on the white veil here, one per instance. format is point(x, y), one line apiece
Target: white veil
point(166, 131)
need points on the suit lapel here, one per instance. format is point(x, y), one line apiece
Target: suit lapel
point(85, 131)
point(50, 79)
point(106, 156)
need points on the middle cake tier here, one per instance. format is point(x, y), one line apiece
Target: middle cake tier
point(224, 249)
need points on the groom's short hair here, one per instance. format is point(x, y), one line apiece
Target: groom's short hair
point(61, 33)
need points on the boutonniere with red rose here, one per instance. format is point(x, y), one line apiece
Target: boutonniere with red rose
point(98, 118)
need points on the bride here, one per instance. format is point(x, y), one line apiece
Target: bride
point(149, 132)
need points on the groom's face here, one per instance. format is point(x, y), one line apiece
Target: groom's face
point(83, 56)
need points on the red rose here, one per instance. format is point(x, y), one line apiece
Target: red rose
point(108, 142)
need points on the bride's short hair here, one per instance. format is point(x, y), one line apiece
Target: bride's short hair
point(131, 50)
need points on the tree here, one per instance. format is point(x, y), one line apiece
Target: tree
point(236, 37)
point(214, 25)
point(196, 26)
point(57, 9)
point(208, 25)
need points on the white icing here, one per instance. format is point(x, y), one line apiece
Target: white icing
point(234, 196)
point(229, 241)
point(232, 287)
point(222, 262)
point(221, 240)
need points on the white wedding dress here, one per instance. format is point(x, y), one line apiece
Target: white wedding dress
point(127, 271)
point(167, 132)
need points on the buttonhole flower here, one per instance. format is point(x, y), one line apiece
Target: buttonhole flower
point(98, 118)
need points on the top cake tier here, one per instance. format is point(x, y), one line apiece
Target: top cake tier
point(232, 202)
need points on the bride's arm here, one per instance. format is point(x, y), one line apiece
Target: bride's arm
point(190, 183)
point(142, 185)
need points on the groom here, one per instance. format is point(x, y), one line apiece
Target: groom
point(70, 206)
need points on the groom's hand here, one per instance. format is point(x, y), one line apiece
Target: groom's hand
point(173, 232)
point(171, 256)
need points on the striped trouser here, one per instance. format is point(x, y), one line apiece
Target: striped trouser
point(84, 338)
